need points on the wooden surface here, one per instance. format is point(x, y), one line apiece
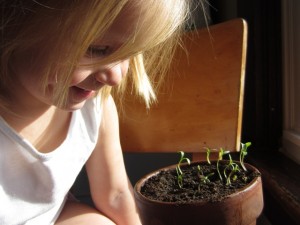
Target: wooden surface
point(281, 181)
point(201, 102)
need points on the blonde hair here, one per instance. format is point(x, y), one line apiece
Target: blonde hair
point(67, 28)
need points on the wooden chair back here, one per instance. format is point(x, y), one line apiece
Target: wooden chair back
point(201, 103)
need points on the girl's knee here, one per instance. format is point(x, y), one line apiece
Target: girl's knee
point(76, 213)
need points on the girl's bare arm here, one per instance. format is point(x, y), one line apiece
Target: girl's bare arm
point(110, 188)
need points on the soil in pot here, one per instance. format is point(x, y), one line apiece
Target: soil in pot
point(164, 185)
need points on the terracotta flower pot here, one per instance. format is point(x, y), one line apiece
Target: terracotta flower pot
point(240, 208)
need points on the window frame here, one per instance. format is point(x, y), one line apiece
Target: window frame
point(291, 80)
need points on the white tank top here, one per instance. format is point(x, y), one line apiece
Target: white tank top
point(34, 185)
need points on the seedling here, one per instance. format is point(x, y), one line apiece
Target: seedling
point(233, 168)
point(229, 172)
point(178, 169)
point(203, 179)
point(207, 155)
point(243, 153)
point(221, 153)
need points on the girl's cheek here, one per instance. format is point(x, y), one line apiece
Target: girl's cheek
point(125, 67)
point(79, 75)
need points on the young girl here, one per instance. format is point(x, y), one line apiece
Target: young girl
point(59, 60)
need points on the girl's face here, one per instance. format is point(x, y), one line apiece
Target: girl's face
point(86, 80)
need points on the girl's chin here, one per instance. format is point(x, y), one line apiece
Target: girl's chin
point(73, 107)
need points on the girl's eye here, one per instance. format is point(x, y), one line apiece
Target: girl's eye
point(97, 51)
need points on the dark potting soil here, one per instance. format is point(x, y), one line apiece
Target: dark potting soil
point(164, 185)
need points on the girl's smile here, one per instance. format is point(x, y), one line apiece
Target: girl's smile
point(79, 94)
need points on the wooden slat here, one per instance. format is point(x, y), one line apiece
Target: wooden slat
point(201, 102)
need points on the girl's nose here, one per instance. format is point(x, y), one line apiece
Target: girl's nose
point(112, 75)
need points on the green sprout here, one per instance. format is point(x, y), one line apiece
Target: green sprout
point(207, 155)
point(203, 179)
point(244, 153)
point(233, 168)
point(221, 153)
point(178, 169)
point(229, 173)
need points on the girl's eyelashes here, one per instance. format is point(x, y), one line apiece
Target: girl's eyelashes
point(97, 51)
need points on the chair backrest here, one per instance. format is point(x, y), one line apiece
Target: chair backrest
point(201, 102)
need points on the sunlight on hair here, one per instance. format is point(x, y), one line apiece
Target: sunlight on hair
point(142, 83)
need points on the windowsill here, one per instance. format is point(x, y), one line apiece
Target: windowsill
point(281, 182)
